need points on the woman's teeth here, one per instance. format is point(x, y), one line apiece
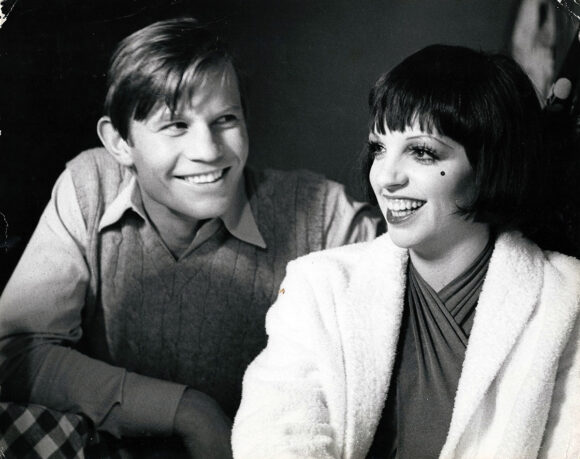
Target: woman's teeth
point(204, 178)
point(403, 207)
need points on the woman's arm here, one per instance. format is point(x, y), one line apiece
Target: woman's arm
point(290, 390)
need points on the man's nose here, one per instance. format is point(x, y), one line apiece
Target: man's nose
point(200, 144)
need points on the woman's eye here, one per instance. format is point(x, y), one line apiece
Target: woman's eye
point(375, 149)
point(424, 154)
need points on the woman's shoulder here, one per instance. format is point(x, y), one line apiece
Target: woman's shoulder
point(350, 260)
point(567, 267)
point(560, 271)
point(518, 246)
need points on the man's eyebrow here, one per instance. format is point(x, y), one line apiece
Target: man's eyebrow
point(227, 108)
point(168, 115)
point(162, 116)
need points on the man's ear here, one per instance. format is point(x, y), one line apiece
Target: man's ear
point(113, 142)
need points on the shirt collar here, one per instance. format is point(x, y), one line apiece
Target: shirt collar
point(238, 220)
point(128, 198)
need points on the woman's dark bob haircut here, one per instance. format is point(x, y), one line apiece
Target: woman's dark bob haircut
point(161, 64)
point(487, 104)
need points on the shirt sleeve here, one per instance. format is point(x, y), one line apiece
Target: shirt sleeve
point(347, 221)
point(41, 320)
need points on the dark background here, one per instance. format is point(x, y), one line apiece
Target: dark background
point(308, 67)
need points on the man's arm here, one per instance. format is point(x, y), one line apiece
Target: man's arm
point(347, 221)
point(41, 320)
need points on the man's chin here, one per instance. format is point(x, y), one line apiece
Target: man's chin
point(217, 209)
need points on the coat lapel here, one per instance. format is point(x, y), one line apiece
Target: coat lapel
point(371, 321)
point(515, 272)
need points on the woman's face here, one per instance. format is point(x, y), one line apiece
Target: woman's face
point(419, 180)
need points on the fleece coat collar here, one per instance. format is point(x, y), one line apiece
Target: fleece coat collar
point(319, 388)
point(511, 290)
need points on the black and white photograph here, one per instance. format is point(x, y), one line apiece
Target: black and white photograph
point(290, 229)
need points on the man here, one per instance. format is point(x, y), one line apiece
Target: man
point(141, 296)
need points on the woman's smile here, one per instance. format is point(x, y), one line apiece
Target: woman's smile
point(400, 209)
point(406, 175)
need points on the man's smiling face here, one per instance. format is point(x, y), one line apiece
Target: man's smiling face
point(189, 163)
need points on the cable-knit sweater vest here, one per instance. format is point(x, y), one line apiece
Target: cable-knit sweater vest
point(200, 320)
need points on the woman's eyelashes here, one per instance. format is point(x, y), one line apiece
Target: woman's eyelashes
point(421, 153)
point(424, 153)
point(375, 148)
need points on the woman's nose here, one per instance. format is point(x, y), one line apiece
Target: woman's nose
point(391, 173)
point(202, 145)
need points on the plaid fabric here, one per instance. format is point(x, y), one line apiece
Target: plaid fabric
point(34, 431)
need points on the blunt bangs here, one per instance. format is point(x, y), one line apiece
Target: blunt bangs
point(159, 65)
point(438, 91)
point(486, 103)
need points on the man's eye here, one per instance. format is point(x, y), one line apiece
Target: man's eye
point(177, 125)
point(226, 120)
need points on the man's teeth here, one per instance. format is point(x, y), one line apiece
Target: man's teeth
point(204, 178)
point(403, 207)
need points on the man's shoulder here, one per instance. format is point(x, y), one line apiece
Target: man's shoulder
point(321, 210)
point(94, 159)
point(268, 176)
point(97, 169)
point(288, 185)
point(97, 178)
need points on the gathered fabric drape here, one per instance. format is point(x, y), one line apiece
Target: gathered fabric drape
point(430, 353)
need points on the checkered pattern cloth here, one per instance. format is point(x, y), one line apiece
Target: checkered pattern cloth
point(33, 432)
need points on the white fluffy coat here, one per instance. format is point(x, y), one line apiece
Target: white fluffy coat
point(318, 389)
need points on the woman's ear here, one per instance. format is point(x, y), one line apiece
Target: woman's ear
point(113, 142)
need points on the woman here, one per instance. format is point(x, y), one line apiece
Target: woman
point(453, 335)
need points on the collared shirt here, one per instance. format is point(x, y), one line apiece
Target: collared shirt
point(346, 220)
point(49, 282)
point(238, 220)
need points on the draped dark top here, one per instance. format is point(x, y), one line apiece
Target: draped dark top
point(430, 352)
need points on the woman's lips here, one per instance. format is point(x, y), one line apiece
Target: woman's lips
point(400, 216)
point(401, 209)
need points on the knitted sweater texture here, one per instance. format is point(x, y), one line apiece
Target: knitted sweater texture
point(198, 320)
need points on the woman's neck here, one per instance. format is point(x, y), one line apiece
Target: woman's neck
point(439, 267)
